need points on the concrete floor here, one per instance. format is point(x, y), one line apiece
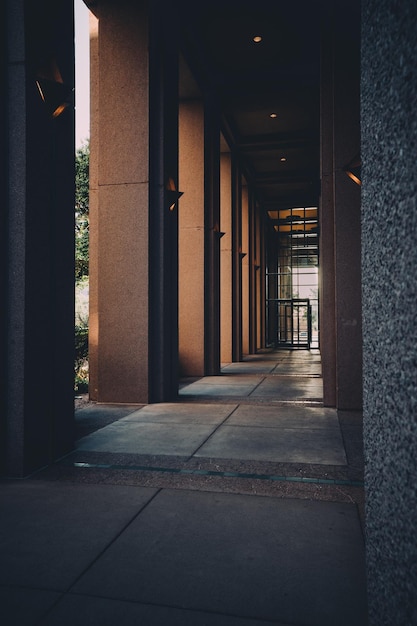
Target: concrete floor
point(240, 504)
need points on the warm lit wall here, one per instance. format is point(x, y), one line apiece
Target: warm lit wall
point(246, 304)
point(119, 205)
point(191, 238)
point(226, 355)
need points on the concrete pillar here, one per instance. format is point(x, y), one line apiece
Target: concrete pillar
point(133, 310)
point(389, 287)
point(252, 276)
point(341, 326)
point(254, 282)
point(191, 239)
point(347, 202)
point(236, 262)
point(199, 239)
point(327, 324)
point(163, 200)
point(212, 235)
point(259, 281)
point(272, 268)
point(37, 397)
point(119, 205)
point(226, 286)
point(246, 264)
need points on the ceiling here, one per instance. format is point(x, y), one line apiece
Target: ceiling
point(268, 91)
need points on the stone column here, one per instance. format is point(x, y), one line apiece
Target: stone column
point(200, 238)
point(236, 261)
point(245, 272)
point(134, 151)
point(226, 288)
point(327, 326)
point(253, 319)
point(340, 327)
point(164, 205)
point(347, 206)
point(272, 262)
point(389, 287)
point(191, 239)
point(211, 235)
point(119, 249)
point(37, 399)
point(259, 281)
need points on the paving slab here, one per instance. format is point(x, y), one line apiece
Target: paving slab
point(287, 561)
point(323, 446)
point(76, 610)
point(95, 416)
point(217, 388)
point(305, 369)
point(289, 388)
point(116, 411)
point(283, 416)
point(231, 379)
point(50, 533)
point(133, 437)
point(22, 606)
point(264, 355)
point(245, 367)
point(182, 413)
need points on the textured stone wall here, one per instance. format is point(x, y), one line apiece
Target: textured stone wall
point(389, 258)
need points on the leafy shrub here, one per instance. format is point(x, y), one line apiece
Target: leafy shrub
point(81, 358)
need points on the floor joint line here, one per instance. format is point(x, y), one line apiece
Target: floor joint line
point(221, 474)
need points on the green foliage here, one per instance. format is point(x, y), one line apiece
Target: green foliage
point(82, 162)
point(82, 225)
point(82, 165)
point(81, 357)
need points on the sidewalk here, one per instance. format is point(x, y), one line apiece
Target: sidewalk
point(240, 504)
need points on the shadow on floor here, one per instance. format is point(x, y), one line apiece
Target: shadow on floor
point(240, 504)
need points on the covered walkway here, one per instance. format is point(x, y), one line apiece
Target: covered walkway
point(240, 504)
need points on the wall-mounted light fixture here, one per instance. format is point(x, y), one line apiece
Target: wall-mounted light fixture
point(218, 232)
point(56, 95)
point(172, 195)
point(353, 169)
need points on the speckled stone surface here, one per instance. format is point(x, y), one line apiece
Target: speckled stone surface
point(389, 236)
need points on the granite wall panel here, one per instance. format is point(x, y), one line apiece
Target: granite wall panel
point(389, 265)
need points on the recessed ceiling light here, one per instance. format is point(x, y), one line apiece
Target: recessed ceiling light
point(283, 159)
point(257, 39)
point(273, 115)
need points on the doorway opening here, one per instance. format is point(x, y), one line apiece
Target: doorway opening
point(292, 282)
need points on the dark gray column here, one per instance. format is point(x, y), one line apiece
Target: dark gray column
point(272, 266)
point(261, 279)
point(253, 328)
point(3, 230)
point(389, 269)
point(326, 215)
point(211, 236)
point(340, 221)
point(38, 270)
point(163, 207)
point(236, 261)
point(347, 204)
